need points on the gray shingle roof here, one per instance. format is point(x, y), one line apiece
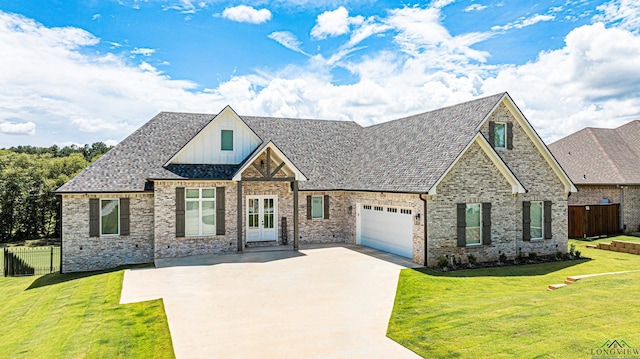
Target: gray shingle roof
point(405, 155)
point(600, 155)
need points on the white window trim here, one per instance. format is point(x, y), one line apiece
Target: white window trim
point(505, 136)
point(321, 207)
point(233, 133)
point(110, 234)
point(480, 228)
point(199, 200)
point(541, 221)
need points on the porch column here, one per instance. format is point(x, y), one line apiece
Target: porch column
point(296, 235)
point(239, 220)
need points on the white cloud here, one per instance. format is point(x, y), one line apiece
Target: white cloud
point(475, 7)
point(288, 40)
point(334, 23)
point(243, 13)
point(96, 16)
point(15, 128)
point(523, 22)
point(143, 51)
point(591, 81)
point(625, 13)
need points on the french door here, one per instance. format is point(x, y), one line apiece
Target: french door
point(262, 214)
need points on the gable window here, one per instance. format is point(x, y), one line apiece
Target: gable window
point(317, 207)
point(536, 220)
point(500, 135)
point(226, 140)
point(200, 216)
point(109, 217)
point(473, 223)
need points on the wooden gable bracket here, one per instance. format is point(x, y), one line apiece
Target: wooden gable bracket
point(268, 174)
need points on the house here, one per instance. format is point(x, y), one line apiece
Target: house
point(604, 164)
point(473, 178)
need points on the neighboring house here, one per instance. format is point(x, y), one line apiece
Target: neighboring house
point(605, 166)
point(474, 178)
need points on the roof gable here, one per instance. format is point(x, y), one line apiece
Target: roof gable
point(534, 138)
point(275, 154)
point(205, 146)
point(516, 186)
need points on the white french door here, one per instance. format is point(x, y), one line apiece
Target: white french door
point(262, 214)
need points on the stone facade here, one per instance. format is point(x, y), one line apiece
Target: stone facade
point(631, 208)
point(83, 253)
point(166, 242)
point(594, 194)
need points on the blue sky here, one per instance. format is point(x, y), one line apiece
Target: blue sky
point(76, 72)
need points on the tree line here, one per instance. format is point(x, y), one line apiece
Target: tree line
point(29, 177)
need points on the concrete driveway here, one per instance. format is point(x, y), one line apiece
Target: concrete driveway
point(320, 302)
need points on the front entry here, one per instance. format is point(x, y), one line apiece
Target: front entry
point(262, 212)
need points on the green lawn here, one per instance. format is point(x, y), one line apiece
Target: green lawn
point(78, 316)
point(508, 313)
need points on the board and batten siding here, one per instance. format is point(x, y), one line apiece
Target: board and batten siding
point(205, 147)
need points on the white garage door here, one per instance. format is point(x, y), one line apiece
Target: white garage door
point(388, 229)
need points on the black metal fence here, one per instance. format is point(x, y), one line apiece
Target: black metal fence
point(21, 261)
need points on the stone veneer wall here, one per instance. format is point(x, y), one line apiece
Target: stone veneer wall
point(474, 179)
point(166, 242)
point(83, 253)
point(537, 176)
point(631, 210)
point(322, 230)
point(593, 194)
point(406, 200)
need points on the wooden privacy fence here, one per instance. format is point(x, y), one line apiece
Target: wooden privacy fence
point(23, 261)
point(594, 220)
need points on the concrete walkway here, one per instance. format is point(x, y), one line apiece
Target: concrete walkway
point(320, 302)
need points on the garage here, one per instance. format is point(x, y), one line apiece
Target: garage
point(386, 228)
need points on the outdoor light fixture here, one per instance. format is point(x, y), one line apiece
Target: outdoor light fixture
point(416, 219)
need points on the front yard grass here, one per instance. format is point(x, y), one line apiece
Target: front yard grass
point(507, 312)
point(78, 316)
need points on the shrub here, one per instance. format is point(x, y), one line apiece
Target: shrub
point(472, 260)
point(578, 253)
point(572, 250)
point(443, 262)
point(533, 256)
point(558, 255)
point(502, 258)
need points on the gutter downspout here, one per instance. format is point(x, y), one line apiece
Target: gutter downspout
point(425, 229)
point(621, 213)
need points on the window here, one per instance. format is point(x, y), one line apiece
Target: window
point(109, 217)
point(473, 223)
point(500, 138)
point(317, 207)
point(200, 212)
point(405, 211)
point(536, 219)
point(226, 140)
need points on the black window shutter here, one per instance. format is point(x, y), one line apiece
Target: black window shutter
point(94, 217)
point(547, 220)
point(526, 220)
point(220, 224)
point(486, 223)
point(326, 206)
point(308, 207)
point(462, 224)
point(180, 211)
point(124, 216)
point(509, 135)
point(492, 133)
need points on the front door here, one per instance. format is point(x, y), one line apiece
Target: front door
point(262, 212)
